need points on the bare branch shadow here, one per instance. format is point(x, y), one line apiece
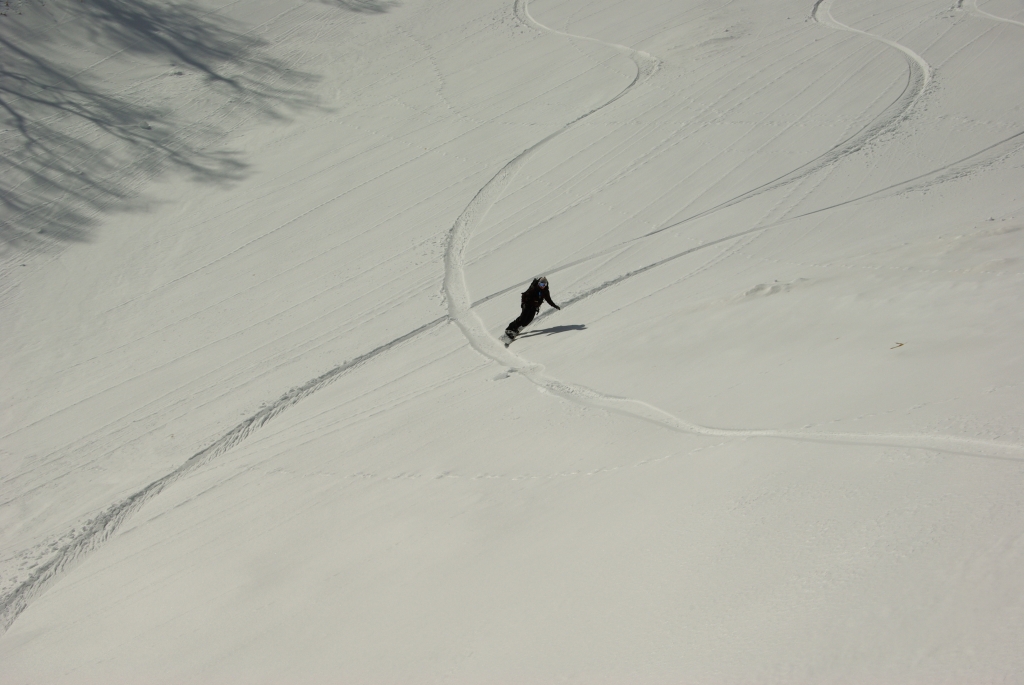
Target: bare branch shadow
point(74, 145)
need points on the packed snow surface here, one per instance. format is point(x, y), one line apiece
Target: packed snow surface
point(258, 427)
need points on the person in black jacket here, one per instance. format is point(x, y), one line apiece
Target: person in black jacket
point(532, 299)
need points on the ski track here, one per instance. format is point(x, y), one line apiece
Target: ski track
point(102, 527)
point(972, 7)
point(460, 303)
point(891, 117)
point(887, 120)
point(460, 311)
point(668, 144)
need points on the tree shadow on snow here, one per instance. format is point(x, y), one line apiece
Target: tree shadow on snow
point(554, 330)
point(365, 6)
point(73, 145)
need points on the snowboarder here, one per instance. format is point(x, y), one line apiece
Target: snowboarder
point(532, 298)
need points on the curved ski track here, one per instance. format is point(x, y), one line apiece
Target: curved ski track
point(917, 82)
point(460, 303)
point(972, 7)
point(460, 306)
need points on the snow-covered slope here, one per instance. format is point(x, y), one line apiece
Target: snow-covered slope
point(257, 425)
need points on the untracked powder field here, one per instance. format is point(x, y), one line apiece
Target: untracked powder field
point(260, 421)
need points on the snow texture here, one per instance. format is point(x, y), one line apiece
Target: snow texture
point(258, 424)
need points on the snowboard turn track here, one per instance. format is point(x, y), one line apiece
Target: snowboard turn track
point(460, 311)
point(459, 300)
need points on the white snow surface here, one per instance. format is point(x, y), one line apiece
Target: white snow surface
point(257, 425)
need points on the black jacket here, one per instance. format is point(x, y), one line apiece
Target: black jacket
point(534, 296)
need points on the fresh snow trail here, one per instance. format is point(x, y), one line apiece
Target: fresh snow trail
point(972, 7)
point(103, 526)
point(896, 112)
point(920, 76)
point(460, 303)
point(954, 169)
point(455, 288)
point(920, 71)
